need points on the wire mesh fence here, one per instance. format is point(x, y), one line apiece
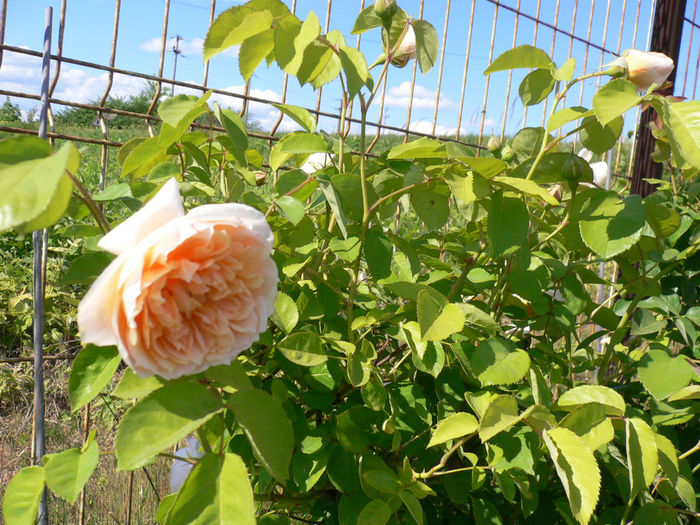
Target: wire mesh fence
point(454, 101)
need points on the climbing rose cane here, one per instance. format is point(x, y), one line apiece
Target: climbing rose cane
point(185, 292)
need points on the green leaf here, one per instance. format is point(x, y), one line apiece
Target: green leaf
point(216, 491)
point(178, 108)
point(508, 224)
point(663, 375)
point(374, 394)
point(578, 396)
point(22, 495)
point(610, 225)
point(366, 20)
point(479, 319)
point(376, 512)
point(536, 86)
point(487, 167)
point(469, 188)
point(68, 471)
point(521, 56)
point(454, 426)
point(497, 361)
point(378, 252)
point(613, 99)
point(132, 386)
point(566, 72)
point(333, 199)
point(92, 369)
point(413, 506)
point(286, 314)
point(20, 148)
point(655, 513)
point(432, 207)
point(423, 148)
point(437, 318)
point(382, 481)
point(254, 49)
point(685, 129)
point(577, 469)
point(268, 429)
point(600, 139)
point(356, 71)
point(34, 194)
point(299, 115)
point(291, 208)
point(566, 115)
point(352, 428)
point(164, 507)
point(320, 64)
point(689, 392)
point(232, 377)
point(291, 40)
point(665, 222)
point(500, 414)
point(427, 45)
point(642, 455)
point(86, 268)
point(235, 128)
point(302, 142)
point(160, 420)
point(303, 348)
point(232, 27)
point(668, 457)
point(528, 187)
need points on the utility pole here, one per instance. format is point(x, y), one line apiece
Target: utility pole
point(176, 51)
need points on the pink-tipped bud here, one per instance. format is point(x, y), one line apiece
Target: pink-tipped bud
point(406, 50)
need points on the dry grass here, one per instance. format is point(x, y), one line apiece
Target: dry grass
point(107, 494)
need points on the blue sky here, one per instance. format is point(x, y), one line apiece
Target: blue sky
point(89, 30)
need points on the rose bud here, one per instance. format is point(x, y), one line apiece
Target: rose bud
point(494, 145)
point(260, 177)
point(645, 69)
point(601, 170)
point(186, 291)
point(385, 8)
point(315, 162)
point(406, 50)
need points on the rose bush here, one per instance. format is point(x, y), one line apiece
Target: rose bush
point(185, 292)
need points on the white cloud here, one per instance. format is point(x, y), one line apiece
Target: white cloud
point(424, 126)
point(188, 47)
point(423, 98)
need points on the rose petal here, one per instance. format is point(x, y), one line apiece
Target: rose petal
point(161, 209)
point(96, 309)
point(235, 214)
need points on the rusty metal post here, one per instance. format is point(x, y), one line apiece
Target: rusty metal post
point(666, 39)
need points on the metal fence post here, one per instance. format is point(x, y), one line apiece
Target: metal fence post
point(666, 39)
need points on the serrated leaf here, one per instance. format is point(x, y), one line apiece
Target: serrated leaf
point(92, 369)
point(689, 392)
point(685, 128)
point(566, 115)
point(423, 148)
point(427, 45)
point(536, 86)
point(469, 188)
point(291, 208)
point(577, 469)
point(299, 115)
point(68, 471)
point(610, 225)
point(522, 56)
point(566, 72)
point(479, 319)
point(355, 68)
point(22, 495)
point(160, 420)
point(303, 348)
point(432, 207)
point(132, 386)
point(578, 396)
point(366, 20)
point(437, 318)
point(528, 187)
point(376, 512)
point(508, 224)
point(613, 99)
point(378, 252)
point(500, 414)
point(497, 361)
point(286, 314)
point(663, 375)
point(268, 429)
point(642, 454)
point(598, 138)
point(454, 426)
point(668, 456)
point(216, 491)
point(232, 27)
point(413, 505)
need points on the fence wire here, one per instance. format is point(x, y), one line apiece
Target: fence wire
point(471, 32)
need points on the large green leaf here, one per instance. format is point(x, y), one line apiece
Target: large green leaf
point(613, 99)
point(685, 129)
point(497, 361)
point(300, 115)
point(320, 64)
point(355, 68)
point(508, 224)
point(19, 148)
point(376, 512)
point(600, 139)
point(432, 207)
point(423, 148)
point(521, 56)
point(663, 375)
point(160, 420)
point(577, 469)
point(578, 396)
point(454, 426)
point(366, 20)
point(500, 414)
point(536, 86)
point(469, 188)
point(642, 454)
point(528, 187)
point(233, 26)
point(92, 369)
point(235, 129)
point(286, 314)
point(216, 491)
point(132, 386)
point(22, 495)
point(35, 193)
point(378, 252)
point(427, 45)
point(254, 49)
point(268, 429)
point(68, 471)
point(303, 348)
point(566, 115)
point(291, 40)
point(437, 318)
point(304, 143)
point(610, 225)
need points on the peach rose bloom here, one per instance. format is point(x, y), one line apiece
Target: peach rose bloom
point(185, 292)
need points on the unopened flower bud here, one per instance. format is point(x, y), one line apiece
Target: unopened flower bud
point(645, 69)
point(494, 145)
point(507, 154)
point(260, 177)
point(406, 50)
point(385, 8)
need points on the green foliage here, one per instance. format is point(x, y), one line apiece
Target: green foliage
point(437, 352)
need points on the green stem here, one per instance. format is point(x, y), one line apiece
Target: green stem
point(690, 451)
point(91, 204)
point(443, 461)
point(628, 508)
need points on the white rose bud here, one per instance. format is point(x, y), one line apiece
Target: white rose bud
point(406, 50)
point(645, 69)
